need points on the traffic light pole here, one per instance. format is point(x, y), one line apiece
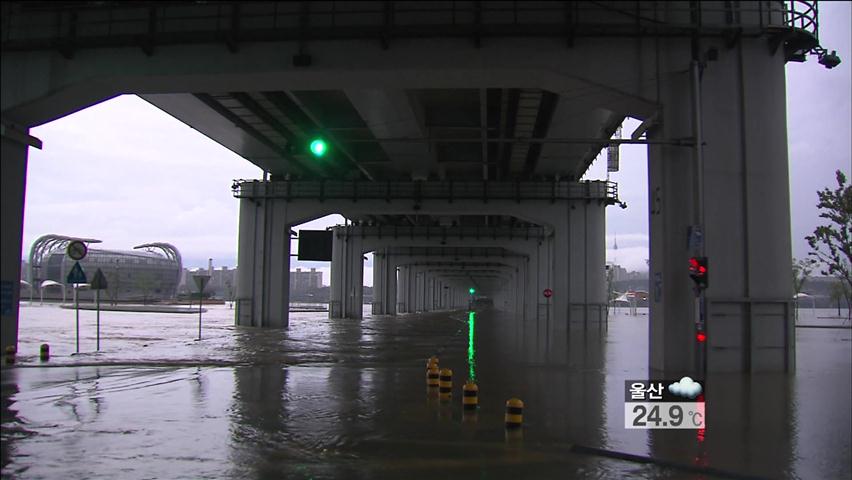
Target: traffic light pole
point(698, 244)
point(700, 323)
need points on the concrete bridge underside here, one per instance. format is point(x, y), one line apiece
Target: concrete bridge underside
point(417, 95)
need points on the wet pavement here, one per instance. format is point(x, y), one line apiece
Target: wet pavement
point(347, 399)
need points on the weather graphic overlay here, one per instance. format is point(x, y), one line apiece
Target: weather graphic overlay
point(668, 404)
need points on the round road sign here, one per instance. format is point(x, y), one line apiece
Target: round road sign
point(77, 250)
point(548, 293)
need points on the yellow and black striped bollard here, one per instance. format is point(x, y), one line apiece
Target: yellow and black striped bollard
point(44, 352)
point(514, 413)
point(432, 378)
point(432, 362)
point(470, 398)
point(10, 354)
point(445, 384)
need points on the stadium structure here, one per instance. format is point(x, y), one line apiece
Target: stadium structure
point(149, 272)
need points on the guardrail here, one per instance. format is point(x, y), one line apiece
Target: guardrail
point(473, 232)
point(427, 190)
point(71, 25)
point(802, 15)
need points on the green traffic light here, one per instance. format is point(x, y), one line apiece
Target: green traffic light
point(472, 290)
point(318, 147)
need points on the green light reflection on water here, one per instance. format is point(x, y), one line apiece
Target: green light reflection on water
point(471, 347)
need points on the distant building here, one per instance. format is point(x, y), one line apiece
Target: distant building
point(636, 276)
point(222, 283)
point(304, 281)
point(149, 272)
point(618, 272)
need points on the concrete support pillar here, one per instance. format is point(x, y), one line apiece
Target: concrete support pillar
point(390, 283)
point(530, 291)
point(747, 230)
point(421, 288)
point(338, 268)
point(578, 255)
point(412, 289)
point(347, 275)
point(263, 286)
point(411, 297)
point(380, 287)
point(418, 289)
point(13, 179)
point(401, 288)
point(384, 284)
point(429, 279)
point(520, 291)
point(402, 292)
point(356, 278)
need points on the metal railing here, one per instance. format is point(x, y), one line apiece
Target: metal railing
point(46, 25)
point(427, 190)
point(474, 232)
point(802, 15)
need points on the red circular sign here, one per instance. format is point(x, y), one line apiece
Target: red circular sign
point(548, 293)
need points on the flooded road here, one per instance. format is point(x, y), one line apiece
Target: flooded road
point(347, 399)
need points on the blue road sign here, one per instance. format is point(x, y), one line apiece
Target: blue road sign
point(99, 281)
point(76, 275)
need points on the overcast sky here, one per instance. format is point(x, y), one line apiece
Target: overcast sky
point(127, 173)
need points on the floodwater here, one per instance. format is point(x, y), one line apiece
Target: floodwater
point(347, 399)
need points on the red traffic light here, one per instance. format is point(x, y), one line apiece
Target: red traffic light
point(698, 271)
point(701, 337)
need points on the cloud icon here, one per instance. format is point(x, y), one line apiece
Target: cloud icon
point(686, 387)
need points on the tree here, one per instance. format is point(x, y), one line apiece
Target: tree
point(839, 291)
point(801, 271)
point(113, 285)
point(831, 245)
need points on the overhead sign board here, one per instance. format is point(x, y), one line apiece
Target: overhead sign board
point(612, 153)
point(77, 250)
point(76, 275)
point(612, 158)
point(315, 245)
point(99, 281)
point(201, 281)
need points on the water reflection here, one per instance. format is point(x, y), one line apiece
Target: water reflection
point(748, 428)
point(13, 426)
point(471, 346)
point(258, 421)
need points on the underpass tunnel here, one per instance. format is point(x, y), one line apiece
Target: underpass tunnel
point(505, 128)
point(455, 140)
